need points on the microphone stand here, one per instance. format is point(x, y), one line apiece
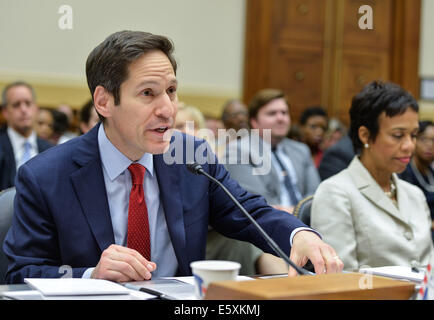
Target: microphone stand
point(197, 169)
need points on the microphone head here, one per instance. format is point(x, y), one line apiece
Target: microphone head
point(194, 167)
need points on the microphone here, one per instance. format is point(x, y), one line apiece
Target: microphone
point(197, 169)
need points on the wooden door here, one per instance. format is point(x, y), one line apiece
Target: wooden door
point(315, 51)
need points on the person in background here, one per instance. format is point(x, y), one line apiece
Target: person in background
point(419, 171)
point(252, 259)
point(214, 124)
point(44, 123)
point(235, 115)
point(313, 126)
point(335, 132)
point(18, 141)
point(71, 130)
point(366, 212)
point(60, 126)
point(336, 158)
point(292, 175)
point(235, 118)
point(88, 117)
point(190, 114)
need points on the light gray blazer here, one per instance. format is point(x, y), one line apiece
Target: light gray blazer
point(267, 185)
point(355, 217)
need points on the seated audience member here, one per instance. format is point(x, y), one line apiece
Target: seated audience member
point(313, 126)
point(252, 259)
point(88, 117)
point(60, 126)
point(213, 124)
point(419, 171)
point(369, 215)
point(189, 119)
point(336, 158)
point(70, 132)
point(235, 118)
point(292, 175)
point(336, 130)
point(44, 123)
point(18, 141)
point(235, 115)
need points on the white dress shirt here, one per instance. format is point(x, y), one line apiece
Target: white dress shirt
point(118, 184)
point(17, 142)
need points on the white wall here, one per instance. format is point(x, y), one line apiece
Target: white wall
point(208, 37)
point(426, 66)
point(426, 61)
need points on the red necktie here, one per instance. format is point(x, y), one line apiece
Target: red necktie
point(138, 225)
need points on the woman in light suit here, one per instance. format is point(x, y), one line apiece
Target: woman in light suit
point(370, 216)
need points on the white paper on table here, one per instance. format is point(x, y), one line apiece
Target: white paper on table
point(395, 272)
point(36, 295)
point(76, 286)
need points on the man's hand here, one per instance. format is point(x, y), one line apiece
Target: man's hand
point(307, 245)
point(123, 264)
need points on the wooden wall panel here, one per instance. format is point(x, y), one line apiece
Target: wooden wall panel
point(302, 68)
point(315, 51)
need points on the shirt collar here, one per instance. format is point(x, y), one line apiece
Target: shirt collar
point(114, 161)
point(17, 140)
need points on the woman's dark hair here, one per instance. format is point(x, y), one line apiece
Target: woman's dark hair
point(107, 64)
point(60, 122)
point(312, 111)
point(423, 125)
point(374, 99)
point(86, 111)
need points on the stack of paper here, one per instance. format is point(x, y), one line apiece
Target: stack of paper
point(76, 289)
point(395, 272)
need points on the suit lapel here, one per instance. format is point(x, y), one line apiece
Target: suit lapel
point(371, 190)
point(170, 196)
point(89, 185)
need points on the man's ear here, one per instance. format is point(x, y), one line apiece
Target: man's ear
point(103, 101)
point(364, 134)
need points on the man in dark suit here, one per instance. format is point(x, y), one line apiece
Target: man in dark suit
point(74, 205)
point(18, 141)
point(336, 158)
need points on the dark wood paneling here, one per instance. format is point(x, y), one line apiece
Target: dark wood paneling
point(315, 51)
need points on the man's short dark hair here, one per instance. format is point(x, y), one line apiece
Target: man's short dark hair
point(107, 64)
point(16, 84)
point(263, 97)
point(312, 111)
point(374, 99)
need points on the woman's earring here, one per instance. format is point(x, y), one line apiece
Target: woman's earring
point(366, 146)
